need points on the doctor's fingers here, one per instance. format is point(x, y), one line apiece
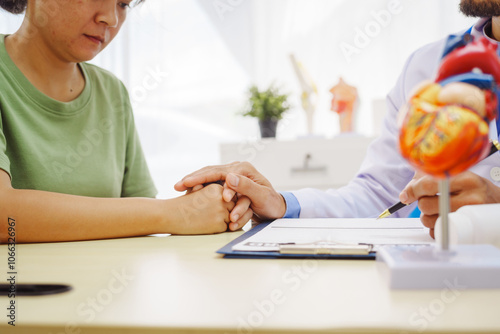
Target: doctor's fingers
point(431, 233)
point(403, 196)
point(222, 172)
point(229, 206)
point(204, 175)
point(429, 206)
point(241, 207)
point(234, 226)
point(241, 184)
point(429, 221)
point(195, 188)
point(228, 194)
point(417, 188)
point(240, 214)
point(473, 187)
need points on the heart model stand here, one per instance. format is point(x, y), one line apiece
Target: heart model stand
point(442, 265)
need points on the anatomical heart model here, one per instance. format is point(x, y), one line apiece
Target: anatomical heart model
point(445, 125)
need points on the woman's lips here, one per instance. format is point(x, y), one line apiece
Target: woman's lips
point(95, 39)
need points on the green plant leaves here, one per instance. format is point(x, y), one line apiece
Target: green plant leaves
point(266, 104)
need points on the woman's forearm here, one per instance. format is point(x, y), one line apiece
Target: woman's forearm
point(42, 216)
point(45, 216)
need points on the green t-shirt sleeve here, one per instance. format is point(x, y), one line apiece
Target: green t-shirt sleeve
point(137, 181)
point(4, 160)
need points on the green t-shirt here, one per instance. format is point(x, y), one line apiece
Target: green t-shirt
point(87, 147)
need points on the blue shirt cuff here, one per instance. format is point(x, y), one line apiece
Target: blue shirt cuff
point(292, 205)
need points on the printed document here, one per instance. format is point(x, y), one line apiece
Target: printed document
point(348, 231)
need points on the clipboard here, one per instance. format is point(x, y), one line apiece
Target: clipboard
point(228, 252)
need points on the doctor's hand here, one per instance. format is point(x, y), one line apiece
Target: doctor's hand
point(256, 198)
point(465, 189)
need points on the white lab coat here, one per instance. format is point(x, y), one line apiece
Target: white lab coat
point(384, 173)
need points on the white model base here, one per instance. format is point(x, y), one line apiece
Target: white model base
point(428, 267)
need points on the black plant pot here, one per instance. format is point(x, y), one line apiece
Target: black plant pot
point(268, 127)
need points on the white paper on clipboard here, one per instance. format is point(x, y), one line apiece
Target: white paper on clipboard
point(348, 231)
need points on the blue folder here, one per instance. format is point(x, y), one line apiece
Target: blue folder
point(228, 253)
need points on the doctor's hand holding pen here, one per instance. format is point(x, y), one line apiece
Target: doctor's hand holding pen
point(465, 189)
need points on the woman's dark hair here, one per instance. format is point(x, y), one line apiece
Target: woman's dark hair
point(19, 6)
point(14, 6)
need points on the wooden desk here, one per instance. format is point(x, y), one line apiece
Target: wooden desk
point(180, 285)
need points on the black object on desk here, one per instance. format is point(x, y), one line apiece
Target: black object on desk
point(33, 289)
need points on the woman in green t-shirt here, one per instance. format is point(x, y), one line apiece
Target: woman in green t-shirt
point(71, 164)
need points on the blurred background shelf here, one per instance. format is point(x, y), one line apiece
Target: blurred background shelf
point(308, 162)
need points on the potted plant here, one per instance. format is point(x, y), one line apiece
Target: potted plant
point(268, 107)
